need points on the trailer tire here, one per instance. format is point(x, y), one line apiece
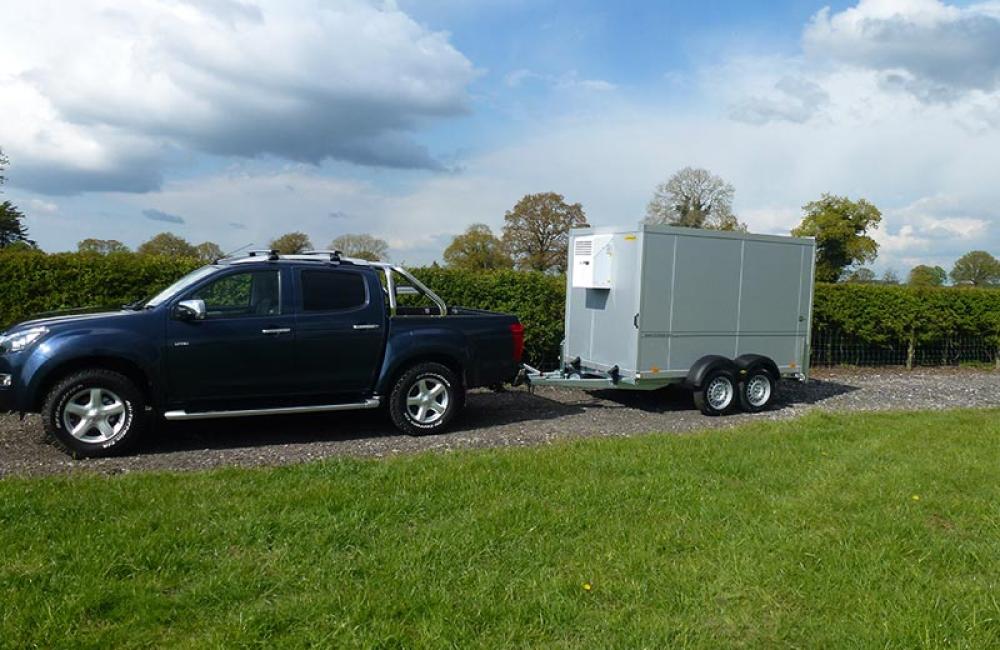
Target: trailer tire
point(717, 393)
point(425, 399)
point(756, 390)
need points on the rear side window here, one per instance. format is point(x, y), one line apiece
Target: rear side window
point(332, 290)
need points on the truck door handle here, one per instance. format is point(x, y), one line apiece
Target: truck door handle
point(276, 331)
point(366, 327)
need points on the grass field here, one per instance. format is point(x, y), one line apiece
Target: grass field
point(831, 530)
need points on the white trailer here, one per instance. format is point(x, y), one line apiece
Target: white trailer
point(726, 314)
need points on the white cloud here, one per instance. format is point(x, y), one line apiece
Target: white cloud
point(568, 81)
point(934, 50)
point(98, 93)
point(43, 207)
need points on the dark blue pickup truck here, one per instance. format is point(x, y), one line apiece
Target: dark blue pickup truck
point(261, 334)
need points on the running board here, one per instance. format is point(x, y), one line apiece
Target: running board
point(372, 403)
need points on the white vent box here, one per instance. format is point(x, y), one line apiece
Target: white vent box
point(592, 262)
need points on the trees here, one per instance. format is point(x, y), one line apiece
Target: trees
point(840, 227)
point(291, 243)
point(695, 198)
point(923, 275)
point(890, 277)
point(208, 252)
point(13, 232)
point(477, 249)
point(101, 246)
point(168, 245)
point(863, 275)
point(362, 246)
point(977, 268)
point(536, 231)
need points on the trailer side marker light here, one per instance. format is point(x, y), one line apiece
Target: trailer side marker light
point(629, 237)
point(654, 370)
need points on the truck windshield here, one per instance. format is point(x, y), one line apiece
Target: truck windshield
point(180, 285)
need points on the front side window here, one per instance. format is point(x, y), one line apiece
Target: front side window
point(332, 291)
point(181, 285)
point(252, 293)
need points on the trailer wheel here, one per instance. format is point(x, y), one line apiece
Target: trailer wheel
point(756, 391)
point(717, 394)
point(425, 399)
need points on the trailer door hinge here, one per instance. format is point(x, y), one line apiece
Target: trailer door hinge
point(635, 321)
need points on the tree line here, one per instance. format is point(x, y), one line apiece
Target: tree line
point(535, 234)
point(536, 229)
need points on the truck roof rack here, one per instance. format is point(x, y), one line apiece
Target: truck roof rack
point(335, 256)
point(271, 253)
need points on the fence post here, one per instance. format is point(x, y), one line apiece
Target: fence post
point(911, 350)
point(996, 357)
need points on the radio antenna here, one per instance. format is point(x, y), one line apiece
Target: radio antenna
point(230, 254)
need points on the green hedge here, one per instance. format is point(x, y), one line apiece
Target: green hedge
point(881, 314)
point(32, 282)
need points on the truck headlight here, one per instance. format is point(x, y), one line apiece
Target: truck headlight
point(17, 341)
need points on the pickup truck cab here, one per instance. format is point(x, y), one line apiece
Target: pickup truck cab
point(262, 334)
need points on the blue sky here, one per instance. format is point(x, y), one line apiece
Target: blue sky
point(237, 120)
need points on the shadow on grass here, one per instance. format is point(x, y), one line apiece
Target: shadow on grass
point(483, 411)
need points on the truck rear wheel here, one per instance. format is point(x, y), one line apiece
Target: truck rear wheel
point(425, 399)
point(717, 394)
point(94, 413)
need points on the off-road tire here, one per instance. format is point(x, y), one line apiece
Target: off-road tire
point(408, 387)
point(708, 405)
point(134, 413)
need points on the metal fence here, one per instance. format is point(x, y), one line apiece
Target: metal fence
point(835, 348)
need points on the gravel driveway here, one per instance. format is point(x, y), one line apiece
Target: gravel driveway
point(511, 418)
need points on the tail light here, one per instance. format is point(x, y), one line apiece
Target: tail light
point(517, 334)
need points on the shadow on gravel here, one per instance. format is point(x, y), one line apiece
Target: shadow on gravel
point(483, 410)
point(675, 398)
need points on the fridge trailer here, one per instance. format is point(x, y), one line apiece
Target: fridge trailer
point(725, 314)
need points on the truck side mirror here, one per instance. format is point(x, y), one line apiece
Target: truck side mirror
point(190, 310)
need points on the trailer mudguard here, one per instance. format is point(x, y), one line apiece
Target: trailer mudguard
point(748, 362)
point(696, 375)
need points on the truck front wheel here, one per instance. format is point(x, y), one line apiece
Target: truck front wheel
point(94, 413)
point(425, 399)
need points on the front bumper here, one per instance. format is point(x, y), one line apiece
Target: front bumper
point(8, 386)
point(8, 401)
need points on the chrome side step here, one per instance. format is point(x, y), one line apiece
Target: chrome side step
point(372, 403)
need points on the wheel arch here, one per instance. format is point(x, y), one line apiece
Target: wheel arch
point(130, 369)
point(450, 361)
point(705, 365)
point(749, 362)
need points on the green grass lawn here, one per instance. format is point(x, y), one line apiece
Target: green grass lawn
point(831, 530)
